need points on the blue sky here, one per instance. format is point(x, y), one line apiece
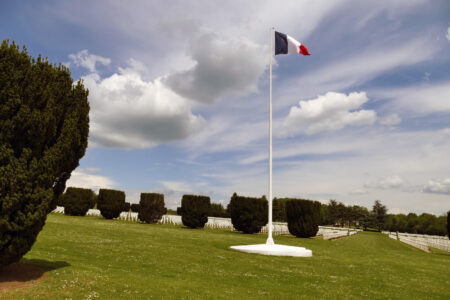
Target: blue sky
point(179, 96)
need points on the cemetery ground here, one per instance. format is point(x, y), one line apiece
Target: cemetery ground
point(90, 257)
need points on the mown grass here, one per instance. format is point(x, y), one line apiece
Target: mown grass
point(90, 258)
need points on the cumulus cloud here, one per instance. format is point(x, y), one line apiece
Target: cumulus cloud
point(389, 182)
point(89, 61)
point(329, 112)
point(359, 192)
point(390, 120)
point(438, 186)
point(222, 66)
point(130, 112)
point(90, 179)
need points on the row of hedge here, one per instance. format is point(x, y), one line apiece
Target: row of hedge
point(248, 214)
point(77, 201)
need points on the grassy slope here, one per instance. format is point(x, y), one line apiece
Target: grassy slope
point(120, 260)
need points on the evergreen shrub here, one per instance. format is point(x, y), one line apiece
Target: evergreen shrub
point(194, 210)
point(303, 217)
point(77, 201)
point(135, 207)
point(279, 209)
point(151, 207)
point(248, 214)
point(44, 126)
point(110, 203)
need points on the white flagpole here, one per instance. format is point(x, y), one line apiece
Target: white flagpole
point(269, 238)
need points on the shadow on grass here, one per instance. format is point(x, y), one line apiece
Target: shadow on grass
point(28, 270)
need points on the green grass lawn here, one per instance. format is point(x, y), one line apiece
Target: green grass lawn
point(89, 257)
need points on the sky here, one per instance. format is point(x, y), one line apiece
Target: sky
point(179, 96)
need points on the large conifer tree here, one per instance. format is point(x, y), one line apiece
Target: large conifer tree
point(44, 121)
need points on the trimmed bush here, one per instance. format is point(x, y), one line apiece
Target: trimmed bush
point(126, 207)
point(77, 201)
point(279, 209)
point(110, 203)
point(248, 214)
point(194, 210)
point(44, 126)
point(135, 207)
point(179, 210)
point(94, 202)
point(151, 207)
point(303, 217)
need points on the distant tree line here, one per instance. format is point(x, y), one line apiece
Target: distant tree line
point(420, 224)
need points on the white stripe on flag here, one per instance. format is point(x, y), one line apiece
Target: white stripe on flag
point(293, 45)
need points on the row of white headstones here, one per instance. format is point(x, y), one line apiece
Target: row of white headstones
point(421, 241)
point(279, 228)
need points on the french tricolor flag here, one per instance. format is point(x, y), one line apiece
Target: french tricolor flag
point(284, 44)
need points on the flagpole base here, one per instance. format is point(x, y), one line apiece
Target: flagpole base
point(270, 241)
point(275, 249)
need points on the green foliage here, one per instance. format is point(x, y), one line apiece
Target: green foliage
point(279, 209)
point(324, 215)
point(423, 224)
point(194, 210)
point(135, 207)
point(171, 212)
point(126, 207)
point(303, 217)
point(94, 202)
point(151, 207)
point(110, 203)
point(44, 121)
point(337, 213)
point(248, 214)
point(77, 201)
point(380, 213)
point(448, 224)
point(217, 210)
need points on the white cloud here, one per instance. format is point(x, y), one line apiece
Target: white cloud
point(390, 120)
point(329, 112)
point(129, 112)
point(389, 182)
point(223, 66)
point(418, 99)
point(177, 186)
point(88, 61)
point(174, 190)
point(448, 34)
point(89, 179)
point(437, 186)
point(359, 192)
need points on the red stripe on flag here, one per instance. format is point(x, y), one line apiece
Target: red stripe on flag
point(303, 50)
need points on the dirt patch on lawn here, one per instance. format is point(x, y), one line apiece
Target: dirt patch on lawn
point(18, 276)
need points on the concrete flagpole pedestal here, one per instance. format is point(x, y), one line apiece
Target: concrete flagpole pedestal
point(275, 249)
point(270, 248)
